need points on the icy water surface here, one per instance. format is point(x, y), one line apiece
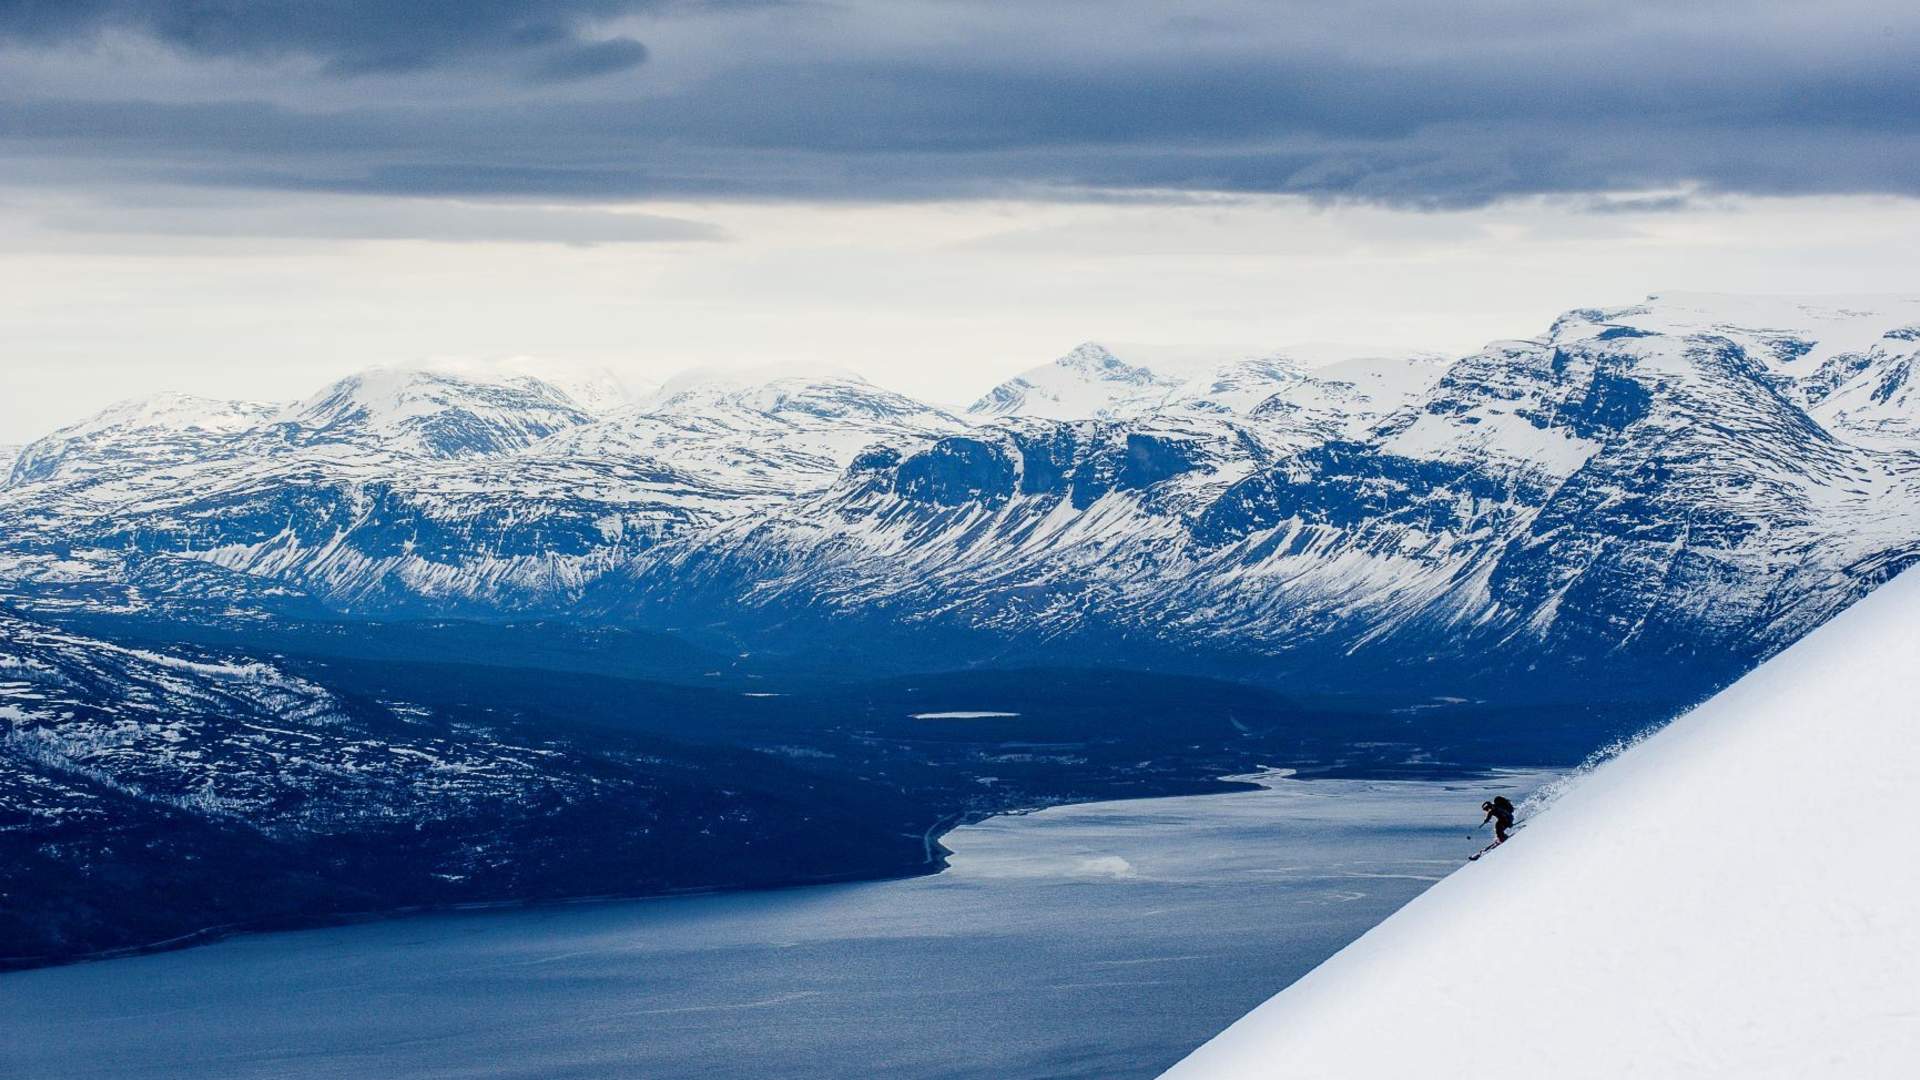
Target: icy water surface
point(1098, 941)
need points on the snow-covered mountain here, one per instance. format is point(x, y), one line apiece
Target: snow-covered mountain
point(429, 414)
point(1849, 362)
point(1087, 383)
point(1322, 386)
point(1732, 897)
point(1667, 506)
point(144, 433)
point(779, 435)
point(1657, 494)
point(423, 489)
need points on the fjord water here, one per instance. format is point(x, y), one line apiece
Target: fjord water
point(1101, 940)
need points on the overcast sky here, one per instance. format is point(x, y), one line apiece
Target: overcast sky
point(249, 198)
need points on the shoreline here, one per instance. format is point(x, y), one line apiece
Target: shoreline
point(935, 862)
point(1156, 914)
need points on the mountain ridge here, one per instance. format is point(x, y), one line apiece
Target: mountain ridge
point(1638, 490)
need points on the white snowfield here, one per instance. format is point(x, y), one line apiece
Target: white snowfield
point(1736, 896)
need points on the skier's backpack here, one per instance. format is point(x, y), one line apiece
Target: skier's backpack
point(1502, 806)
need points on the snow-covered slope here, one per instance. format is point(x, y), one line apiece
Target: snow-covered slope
point(1240, 386)
point(151, 432)
point(1848, 360)
point(432, 414)
point(1331, 390)
point(1379, 383)
point(1736, 896)
point(777, 435)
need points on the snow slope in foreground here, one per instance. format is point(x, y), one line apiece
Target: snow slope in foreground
point(1736, 896)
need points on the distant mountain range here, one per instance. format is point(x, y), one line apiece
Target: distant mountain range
point(1659, 494)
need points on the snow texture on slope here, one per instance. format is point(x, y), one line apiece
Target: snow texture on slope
point(434, 414)
point(778, 435)
point(151, 432)
point(1733, 897)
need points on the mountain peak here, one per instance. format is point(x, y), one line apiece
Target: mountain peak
point(760, 432)
point(435, 413)
point(788, 397)
point(1093, 356)
point(173, 411)
point(158, 429)
point(1091, 382)
point(1837, 323)
point(1088, 382)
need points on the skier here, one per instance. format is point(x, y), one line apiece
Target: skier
point(1500, 812)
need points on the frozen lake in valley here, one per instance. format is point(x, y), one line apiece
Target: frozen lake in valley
point(1103, 940)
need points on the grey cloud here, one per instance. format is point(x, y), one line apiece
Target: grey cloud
point(1378, 100)
point(348, 36)
point(588, 60)
point(1641, 204)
